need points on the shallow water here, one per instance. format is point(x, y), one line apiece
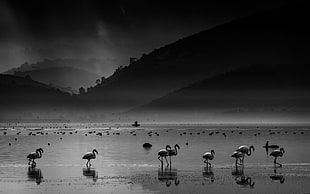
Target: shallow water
point(124, 166)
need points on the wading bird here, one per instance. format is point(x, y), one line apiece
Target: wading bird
point(277, 153)
point(172, 152)
point(244, 149)
point(90, 155)
point(34, 155)
point(163, 153)
point(208, 156)
point(237, 155)
point(270, 146)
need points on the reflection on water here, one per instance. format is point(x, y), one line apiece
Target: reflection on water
point(35, 174)
point(90, 173)
point(241, 179)
point(208, 173)
point(277, 177)
point(168, 175)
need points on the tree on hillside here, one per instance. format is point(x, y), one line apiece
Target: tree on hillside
point(82, 90)
point(98, 82)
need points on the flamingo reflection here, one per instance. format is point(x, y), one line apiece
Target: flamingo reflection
point(241, 179)
point(276, 177)
point(168, 175)
point(208, 173)
point(35, 174)
point(90, 173)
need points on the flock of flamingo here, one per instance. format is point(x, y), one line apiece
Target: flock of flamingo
point(239, 155)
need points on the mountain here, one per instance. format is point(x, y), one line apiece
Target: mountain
point(22, 97)
point(258, 91)
point(91, 65)
point(272, 37)
point(62, 77)
point(61, 73)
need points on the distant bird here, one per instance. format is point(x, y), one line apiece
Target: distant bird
point(136, 124)
point(277, 153)
point(163, 153)
point(237, 155)
point(244, 149)
point(208, 156)
point(34, 155)
point(90, 155)
point(270, 146)
point(172, 152)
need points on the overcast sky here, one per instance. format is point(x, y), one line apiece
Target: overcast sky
point(113, 31)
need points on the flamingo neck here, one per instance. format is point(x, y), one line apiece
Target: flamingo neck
point(176, 150)
point(249, 152)
point(94, 154)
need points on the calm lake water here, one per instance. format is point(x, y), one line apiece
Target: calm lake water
point(124, 166)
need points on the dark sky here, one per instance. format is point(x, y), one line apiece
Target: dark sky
point(109, 30)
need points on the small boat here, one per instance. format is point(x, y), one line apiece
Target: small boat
point(136, 124)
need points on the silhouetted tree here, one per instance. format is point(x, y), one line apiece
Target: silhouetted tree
point(89, 89)
point(28, 77)
point(98, 82)
point(102, 79)
point(82, 90)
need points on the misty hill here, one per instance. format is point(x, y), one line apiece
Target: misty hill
point(61, 76)
point(25, 97)
point(61, 73)
point(259, 90)
point(91, 65)
point(26, 91)
point(274, 37)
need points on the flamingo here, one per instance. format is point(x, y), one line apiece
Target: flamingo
point(90, 155)
point(237, 155)
point(208, 156)
point(163, 153)
point(244, 149)
point(172, 152)
point(277, 153)
point(270, 146)
point(34, 155)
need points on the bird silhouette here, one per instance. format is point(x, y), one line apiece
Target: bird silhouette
point(163, 153)
point(208, 156)
point(270, 146)
point(277, 153)
point(245, 150)
point(238, 155)
point(88, 156)
point(172, 152)
point(34, 155)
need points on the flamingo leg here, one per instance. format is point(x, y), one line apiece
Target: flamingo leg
point(161, 161)
point(167, 160)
